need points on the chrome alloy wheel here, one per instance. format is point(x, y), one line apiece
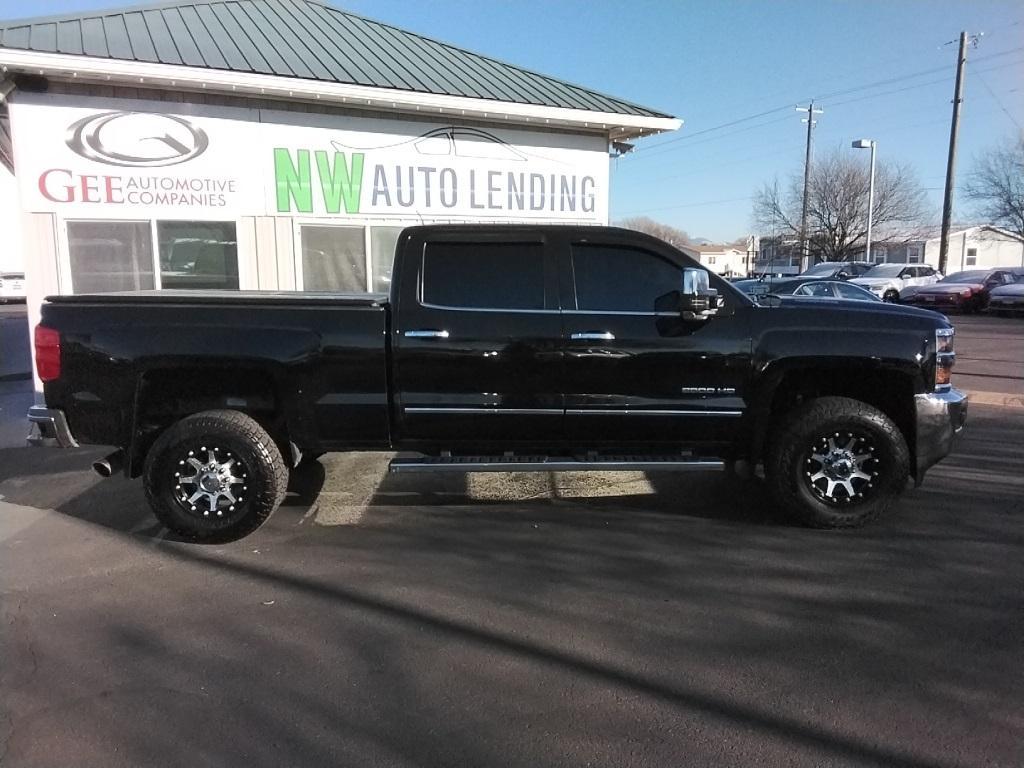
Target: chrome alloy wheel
point(210, 481)
point(842, 467)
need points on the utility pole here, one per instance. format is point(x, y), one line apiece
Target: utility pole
point(954, 129)
point(804, 250)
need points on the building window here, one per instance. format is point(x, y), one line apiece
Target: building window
point(879, 255)
point(333, 259)
point(913, 254)
point(711, 260)
point(382, 256)
point(972, 257)
point(484, 275)
point(197, 254)
point(110, 256)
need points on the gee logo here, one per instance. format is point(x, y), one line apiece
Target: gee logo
point(136, 139)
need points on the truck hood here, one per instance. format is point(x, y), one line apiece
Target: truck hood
point(879, 308)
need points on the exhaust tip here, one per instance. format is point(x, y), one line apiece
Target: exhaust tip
point(108, 466)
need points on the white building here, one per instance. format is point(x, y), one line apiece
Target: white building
point(722, 259)
point(278, 144)
point(981, 247)
point(978, 247)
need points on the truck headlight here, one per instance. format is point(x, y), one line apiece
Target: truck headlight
point(945, 357)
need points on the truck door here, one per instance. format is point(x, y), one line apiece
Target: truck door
point(476, 341)
point(634, 375)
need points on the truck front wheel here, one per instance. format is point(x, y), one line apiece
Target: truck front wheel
point(215, 476)
point(837, 463)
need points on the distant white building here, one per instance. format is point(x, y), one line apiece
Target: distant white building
point(724, 260)
point(982, 246)
point(978, 247)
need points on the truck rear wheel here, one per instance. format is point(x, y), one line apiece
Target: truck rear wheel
point(838, 463)
point(215, 476)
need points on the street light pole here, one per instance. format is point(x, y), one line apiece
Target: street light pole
point(872, 144)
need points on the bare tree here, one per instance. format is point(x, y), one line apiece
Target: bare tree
point(996, 186)
point(669, 234)
point(837, 208)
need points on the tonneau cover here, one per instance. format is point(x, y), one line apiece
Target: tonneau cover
point(234, 298)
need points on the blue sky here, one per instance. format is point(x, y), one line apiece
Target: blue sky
point(711, 63)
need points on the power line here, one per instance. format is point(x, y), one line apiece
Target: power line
point(691, 171)
point(686, 205)
point(647, 150)
point(653, 151)
point(657, 149)
point(998, 101)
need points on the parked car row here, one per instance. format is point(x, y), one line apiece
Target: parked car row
point(998, 291)
point(968, 291)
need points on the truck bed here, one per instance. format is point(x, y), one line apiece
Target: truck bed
point(133, 361)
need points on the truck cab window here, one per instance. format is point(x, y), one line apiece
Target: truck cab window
point(484, 275)
point(612, 278)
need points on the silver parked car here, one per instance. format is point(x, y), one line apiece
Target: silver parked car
point(12, 287)
point(1008, 299)
point(833, 289)
point(887, 280)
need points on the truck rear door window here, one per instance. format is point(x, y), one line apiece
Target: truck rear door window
point(611, 278)
point(484, 275)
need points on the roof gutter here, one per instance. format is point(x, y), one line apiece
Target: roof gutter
point(138, 73)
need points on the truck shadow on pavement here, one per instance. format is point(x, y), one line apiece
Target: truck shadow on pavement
point(459, 627)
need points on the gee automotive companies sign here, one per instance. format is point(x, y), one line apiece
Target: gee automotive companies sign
point(222, 163)
point(128, 163)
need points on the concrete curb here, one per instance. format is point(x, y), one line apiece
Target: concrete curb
point(998, 399)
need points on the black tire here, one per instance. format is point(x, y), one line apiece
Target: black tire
point(843, 431)
point(891, 296)
point(198, 443)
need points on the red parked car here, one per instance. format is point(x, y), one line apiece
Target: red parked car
point(960, 292)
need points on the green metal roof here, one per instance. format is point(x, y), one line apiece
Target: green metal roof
point(302, 39)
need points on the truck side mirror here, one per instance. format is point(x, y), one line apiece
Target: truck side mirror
point(697, 300)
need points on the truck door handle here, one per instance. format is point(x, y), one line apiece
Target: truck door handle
point(426, 334)
point(593, 336)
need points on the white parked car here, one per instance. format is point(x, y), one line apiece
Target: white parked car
point(12, 287)
point(887, 280)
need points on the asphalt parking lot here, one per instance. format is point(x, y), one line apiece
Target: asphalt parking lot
point(990, 358)
point(607, 620)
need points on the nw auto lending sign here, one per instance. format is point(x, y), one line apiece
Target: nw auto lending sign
point(141, 163)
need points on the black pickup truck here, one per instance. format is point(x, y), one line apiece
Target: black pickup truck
point(500, 348)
